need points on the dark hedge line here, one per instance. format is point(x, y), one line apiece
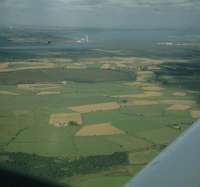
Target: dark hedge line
point(49, 167)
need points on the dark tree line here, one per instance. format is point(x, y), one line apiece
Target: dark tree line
point(48, 167)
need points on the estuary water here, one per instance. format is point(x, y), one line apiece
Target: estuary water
point(23, 43)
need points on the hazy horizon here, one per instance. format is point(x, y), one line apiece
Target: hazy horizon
point(130, 14)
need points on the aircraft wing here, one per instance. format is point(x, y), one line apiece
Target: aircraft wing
point(177, 166)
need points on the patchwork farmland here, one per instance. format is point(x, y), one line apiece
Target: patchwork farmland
point(93, 117)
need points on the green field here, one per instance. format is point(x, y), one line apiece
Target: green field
point(29, 143)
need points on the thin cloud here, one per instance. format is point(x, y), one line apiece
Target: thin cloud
point(101, 3)
point(89, 2)
point(120, 13)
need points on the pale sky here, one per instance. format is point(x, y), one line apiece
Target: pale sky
point(102, 13)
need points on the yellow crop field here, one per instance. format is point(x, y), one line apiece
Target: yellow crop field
point(7, 93)
point(99, 130)
point(142, 102)
point(48, 93)
point(179, 107)
point(141, 95)
point(62, 119)
point(195, 113)
point(95, 107)
point(176, 101)
point(153, 88)
point(179, 94)
point(145, 75)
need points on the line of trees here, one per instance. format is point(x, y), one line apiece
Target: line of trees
point(48, 167)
